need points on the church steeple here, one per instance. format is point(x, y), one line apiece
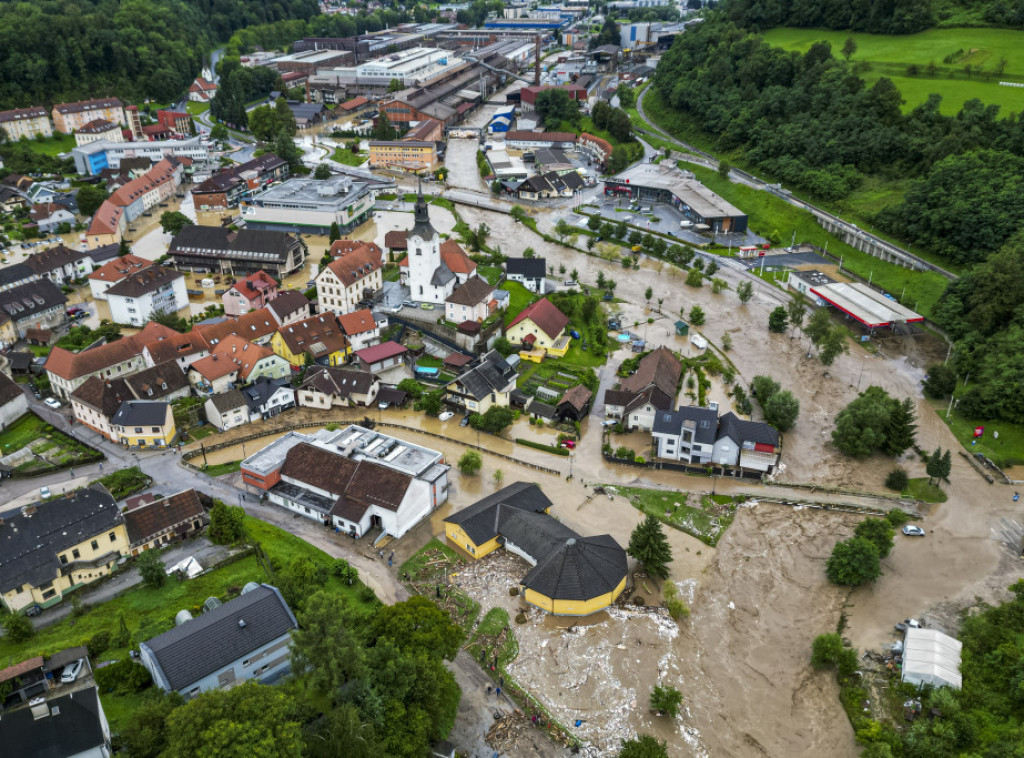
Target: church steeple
point(421, 217)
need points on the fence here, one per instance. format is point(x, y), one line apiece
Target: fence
point(717, 470)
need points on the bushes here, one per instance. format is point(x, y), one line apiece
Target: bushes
point(853, 562)
point(18, 628)
point(125, 677)
point(542, 446)
point(227, 523)
point(828, 650)
point(897, 480)
point(677, 609)
point(125, 482)
point(470, 462)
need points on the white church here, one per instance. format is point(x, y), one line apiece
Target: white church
point(432, 270)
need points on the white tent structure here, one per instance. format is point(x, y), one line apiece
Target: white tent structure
point(931, 657)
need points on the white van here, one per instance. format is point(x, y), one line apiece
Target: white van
point(646, 209)
point(685, 224)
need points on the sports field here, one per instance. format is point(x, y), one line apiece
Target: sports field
point(951, 51)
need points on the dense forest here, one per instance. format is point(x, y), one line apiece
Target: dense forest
point(875, 16)
point(56, 50)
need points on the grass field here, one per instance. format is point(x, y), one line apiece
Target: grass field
point(1007, 450)
point(518, 298)
point(346, 157)
point(921, 489)
point(707, 523)
point(769, 214)
point(58, 143)
point(195, 108)
point(891, 56)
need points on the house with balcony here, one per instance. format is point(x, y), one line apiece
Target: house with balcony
point(60, 264)
point(361, 329)
point(487, 381)
point(55, 546)
point(651, 388)
point(233, 362)
point(150, 292)
point(249, 294)
point(540, 329)
point(330, 386)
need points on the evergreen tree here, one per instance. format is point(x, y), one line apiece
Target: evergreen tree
point(899, 432)
point(933, 466)
point(946, 465)
point(649, 545)
point(778, 320)
point(335, 231)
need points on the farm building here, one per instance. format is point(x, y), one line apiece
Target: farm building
point(571, 575)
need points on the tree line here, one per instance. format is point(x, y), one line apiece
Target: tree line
point(873, 16)
point(52, 51)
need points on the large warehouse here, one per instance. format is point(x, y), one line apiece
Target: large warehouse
point(571, 575)
point(664, 183)
point(305, 205)
point(863, 304)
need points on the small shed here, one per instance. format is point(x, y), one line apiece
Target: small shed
point(456, 362)
point(575, 403)
point(682, 328)
point(931, 657)
point(37, 336)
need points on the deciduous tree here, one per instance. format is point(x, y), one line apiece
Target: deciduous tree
point(151, 569)
point(853, 562)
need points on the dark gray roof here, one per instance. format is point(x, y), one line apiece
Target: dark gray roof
point(488, 373)
point(71, 727)
point(31, 539)
point(157, 381)
point(539, 408)
point(530, 268)
point(703, 421)
point(140, 413)
point(219, 241)
point(206, 644)
point(536, 534)
point(64, 657)
point(480, 520)
point(19, 272)
point(257, 395)
point(421, 221)
point(101, 255)
point(442, 275)
point(339, 381)
point(581, 568)
point(228, 401)
point(26, 300)
point(740, 431)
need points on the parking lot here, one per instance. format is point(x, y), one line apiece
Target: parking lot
point(665, 219)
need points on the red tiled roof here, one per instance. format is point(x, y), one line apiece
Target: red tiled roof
point(119, 268)
point(260, 281)
point(351, 267)
point(357, 322)
point(456, 259)
point(380, 352)
point(545, 315)
point(355, 102)
point(21, 668)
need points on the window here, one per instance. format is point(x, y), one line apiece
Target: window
point(94, 545)
point(63, 560)
point(156, 430)
point(138, 430)
point(75, 554)
point(113, 536)
point(49, 593)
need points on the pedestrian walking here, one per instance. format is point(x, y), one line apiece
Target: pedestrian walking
point(501, 681)
point(1016, 496)
point(389, 561)
point(498, 692)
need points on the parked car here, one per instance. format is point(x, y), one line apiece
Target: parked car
point(427, 306)
point(52, 403)
point(383, 405)
point(574, 334)
point(568, 444)
point(409, 304)
point(446, 415)
point(465, 420)
point(44, 492)
point(913, 531)
point(71, 671)
point(33, 610)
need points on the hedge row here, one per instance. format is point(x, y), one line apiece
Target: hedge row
point(542, 446)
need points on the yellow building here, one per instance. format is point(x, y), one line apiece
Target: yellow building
point(70, 117)
point(144, 424)
point(55, 546)
point(25, 122)
point(540, 326)
point(318, 336)
point(412, 156)
point(571, 575)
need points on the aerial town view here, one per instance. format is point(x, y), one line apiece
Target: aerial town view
point(613, 378)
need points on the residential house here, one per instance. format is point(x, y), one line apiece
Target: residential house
point(571, 575)
point(289, 306)
point(540, 326)
point(144, 424)
point(183, 349)
point(13, 401)
point(345, 246)
point(71, 724)
point(257, 326)
point(67, 371)
point(349, 279)
point(157, 523)
point(70, 117)
point(234, 362)
point(177, 122)
point(201, 90)
point(747, 444)
point(379, 358)
point(141, 295)
point(487, 381)
point(99, 129)
point(246, 638)
point(96, 401)
point(26, 122)
point(520, 140)
point(39, 304)
point(396, 241)
point(687, 434)
point(249, 294)
point(550, 184)
point(346, 479)
point(226, 410)
point(133, 199)
point(232, 185)
point(60, 264)
point(650, 389)
point(317, 339)
point(100, 256)
point(8, 332)
point(361, 329)
point(221, 250)
point(53, 546)
point(15, 275)
point(597, 149)
point(530, 272)
point(164, 381)
point(472, 301)
point(329, 386)
point(266, 398)
point(109, 274)
point(49, 216)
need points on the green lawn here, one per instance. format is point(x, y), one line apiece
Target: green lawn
point(345, 156)
point(490, 273)
point(921, 489)
point(1006, 451)
point(891, 56)
point(429, 361)
point(219, 469)
point(195, 108)
point(518, 298)
point(707, 523)
point(58, 143)
point(149, 612)
point(61, 450)
point(770, 214)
